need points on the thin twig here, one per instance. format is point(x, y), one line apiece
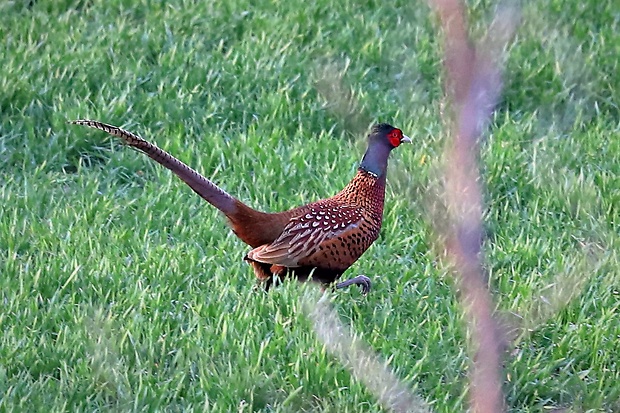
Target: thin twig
point(364, 364)
point(473, 85)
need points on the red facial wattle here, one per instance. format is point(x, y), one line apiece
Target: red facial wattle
point(395, 137)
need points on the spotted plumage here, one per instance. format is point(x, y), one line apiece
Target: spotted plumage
point(319, 240)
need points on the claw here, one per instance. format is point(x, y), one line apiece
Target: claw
point(361, 280)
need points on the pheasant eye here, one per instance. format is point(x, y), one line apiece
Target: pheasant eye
point(395, 137)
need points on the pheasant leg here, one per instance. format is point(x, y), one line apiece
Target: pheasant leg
point(361, 280)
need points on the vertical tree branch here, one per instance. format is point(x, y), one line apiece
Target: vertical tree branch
point(473, 85)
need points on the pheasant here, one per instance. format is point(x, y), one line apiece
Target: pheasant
point(317, 241)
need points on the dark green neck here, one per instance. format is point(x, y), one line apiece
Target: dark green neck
point(375, 159)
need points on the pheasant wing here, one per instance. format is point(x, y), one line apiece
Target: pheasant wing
point(306, 234)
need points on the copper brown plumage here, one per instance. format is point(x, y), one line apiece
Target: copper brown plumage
point(319, 240)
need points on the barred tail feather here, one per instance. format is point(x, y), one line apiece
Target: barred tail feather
point(213, 194)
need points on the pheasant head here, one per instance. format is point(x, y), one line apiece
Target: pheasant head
point(381, 140)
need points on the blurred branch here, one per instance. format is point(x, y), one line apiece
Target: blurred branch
point(473, 86)
point(339, 97)
point(365, 366)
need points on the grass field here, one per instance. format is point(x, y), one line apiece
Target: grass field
point(121, 290)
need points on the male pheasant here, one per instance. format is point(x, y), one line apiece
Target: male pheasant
point(320, 240)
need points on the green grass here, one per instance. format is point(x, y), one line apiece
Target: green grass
point(121, 290)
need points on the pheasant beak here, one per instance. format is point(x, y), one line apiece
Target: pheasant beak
point(405, 139)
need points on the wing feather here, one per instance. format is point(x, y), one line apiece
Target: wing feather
point(305, 234)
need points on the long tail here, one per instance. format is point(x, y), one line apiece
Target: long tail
point(265, 227)
point(213, 194)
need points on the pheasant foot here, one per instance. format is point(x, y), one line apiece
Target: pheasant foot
point(361, 280)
